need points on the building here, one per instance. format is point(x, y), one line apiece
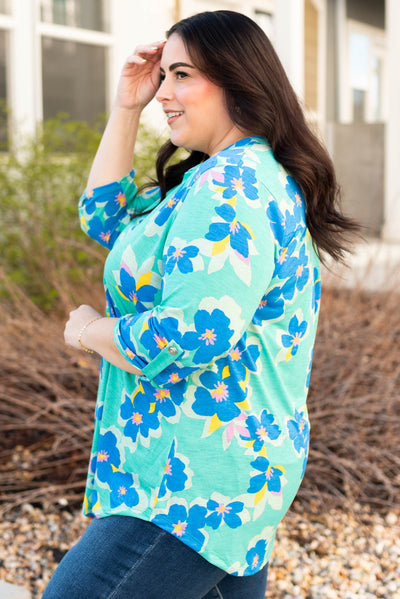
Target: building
point(65, 56)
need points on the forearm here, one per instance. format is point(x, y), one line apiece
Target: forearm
point(98, 337)
point(114, 157)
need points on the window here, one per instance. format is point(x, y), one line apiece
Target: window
point(366, 72)
point(85, 14)
point(5, 7)
point(266, 21)
point(74, 79)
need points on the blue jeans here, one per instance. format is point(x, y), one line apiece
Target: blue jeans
point(120, 557)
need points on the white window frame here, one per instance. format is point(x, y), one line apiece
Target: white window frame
point(77, 35)
point(378, 49)
point(24, 69)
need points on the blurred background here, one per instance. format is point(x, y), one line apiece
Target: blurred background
point(60, 61)
point(341, 57)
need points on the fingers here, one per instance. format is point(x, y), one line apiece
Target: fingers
point(145, 52)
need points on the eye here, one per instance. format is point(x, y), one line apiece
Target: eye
point(162, 77)
point(181, 75)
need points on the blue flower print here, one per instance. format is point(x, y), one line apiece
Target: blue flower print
point(231, 231)
point(302, 270)
point(270, 307)
point(299, 432)
point(283, 226)
point(224, 513)
point(122, 490)
point(270, 476)
point(211, 337)
point(107, 457)
point(217, 396)
point(111, 309)
point(239, 181)
point(255, 558)
point(114, 206)
point(184, 524)
point(182, 258)
point(165, 400)
point(243, 358)
point(140, 416)
point(175, 476)
point(137, 292)
point(102, 231)
point(286, 264)
point(261, 430)
point(293, 339)
point(316, 298)
point(294, 192)
point(298, 272)
point(169, 206)
point(153, 340)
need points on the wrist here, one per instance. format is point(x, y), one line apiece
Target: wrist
point(83, 344)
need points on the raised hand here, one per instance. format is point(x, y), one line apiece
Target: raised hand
point(140, 77)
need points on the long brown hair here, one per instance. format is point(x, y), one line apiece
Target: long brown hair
point(233, 52)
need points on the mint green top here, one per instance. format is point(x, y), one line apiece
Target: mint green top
point(216, 290)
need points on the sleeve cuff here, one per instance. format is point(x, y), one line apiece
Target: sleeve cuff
point(163, 370)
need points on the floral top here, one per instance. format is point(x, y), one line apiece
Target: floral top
point(216, 293)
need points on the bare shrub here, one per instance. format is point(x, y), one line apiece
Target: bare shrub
point(47, 397)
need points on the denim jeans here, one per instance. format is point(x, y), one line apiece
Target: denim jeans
point(120, 557)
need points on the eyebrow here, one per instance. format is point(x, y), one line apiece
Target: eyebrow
point(175, 65)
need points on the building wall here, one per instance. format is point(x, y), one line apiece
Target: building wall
point(359, 161)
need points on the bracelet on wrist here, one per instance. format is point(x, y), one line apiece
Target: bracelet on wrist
point(85, 326)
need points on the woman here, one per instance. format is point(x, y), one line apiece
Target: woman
point(212, 285)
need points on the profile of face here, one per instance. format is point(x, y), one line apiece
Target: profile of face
point(195, 107)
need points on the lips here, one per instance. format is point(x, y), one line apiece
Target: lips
point(173, 115)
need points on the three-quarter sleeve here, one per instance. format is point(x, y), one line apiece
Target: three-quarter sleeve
point(106, 210)
point(218, 259)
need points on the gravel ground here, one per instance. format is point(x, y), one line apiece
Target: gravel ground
point(334, 555)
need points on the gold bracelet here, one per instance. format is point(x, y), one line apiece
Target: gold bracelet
point(85, 326)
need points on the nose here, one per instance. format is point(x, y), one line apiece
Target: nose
point(164, 92)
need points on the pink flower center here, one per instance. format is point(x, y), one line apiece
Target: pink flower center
point(238, 184)
point(223, 509)
point(262, 433)
point(161, 394)
point(121, 199)
point(179, 528)
point(235, 355)
point(208, 336)
point(168, 469)
point(137, 418)
point(122, 491)
point(102, 456)
point(220, 392)
point(234, 226)
point(161, 341)
point(282, 256)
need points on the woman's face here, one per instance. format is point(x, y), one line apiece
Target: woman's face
point(194, 106)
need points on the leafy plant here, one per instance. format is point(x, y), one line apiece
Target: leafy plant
point(43, 249)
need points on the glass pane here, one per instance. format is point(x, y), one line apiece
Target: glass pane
point(376, 89)
point(74, 79)
point(87, 14)
point(3, 91)
point(359, 61)
point(359, 98)
point(5, 7)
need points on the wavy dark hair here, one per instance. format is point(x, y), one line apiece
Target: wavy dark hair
point(233, 52)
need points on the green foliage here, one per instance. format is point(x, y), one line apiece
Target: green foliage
point(43, 250)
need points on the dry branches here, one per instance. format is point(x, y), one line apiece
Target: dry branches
point(47, 396)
